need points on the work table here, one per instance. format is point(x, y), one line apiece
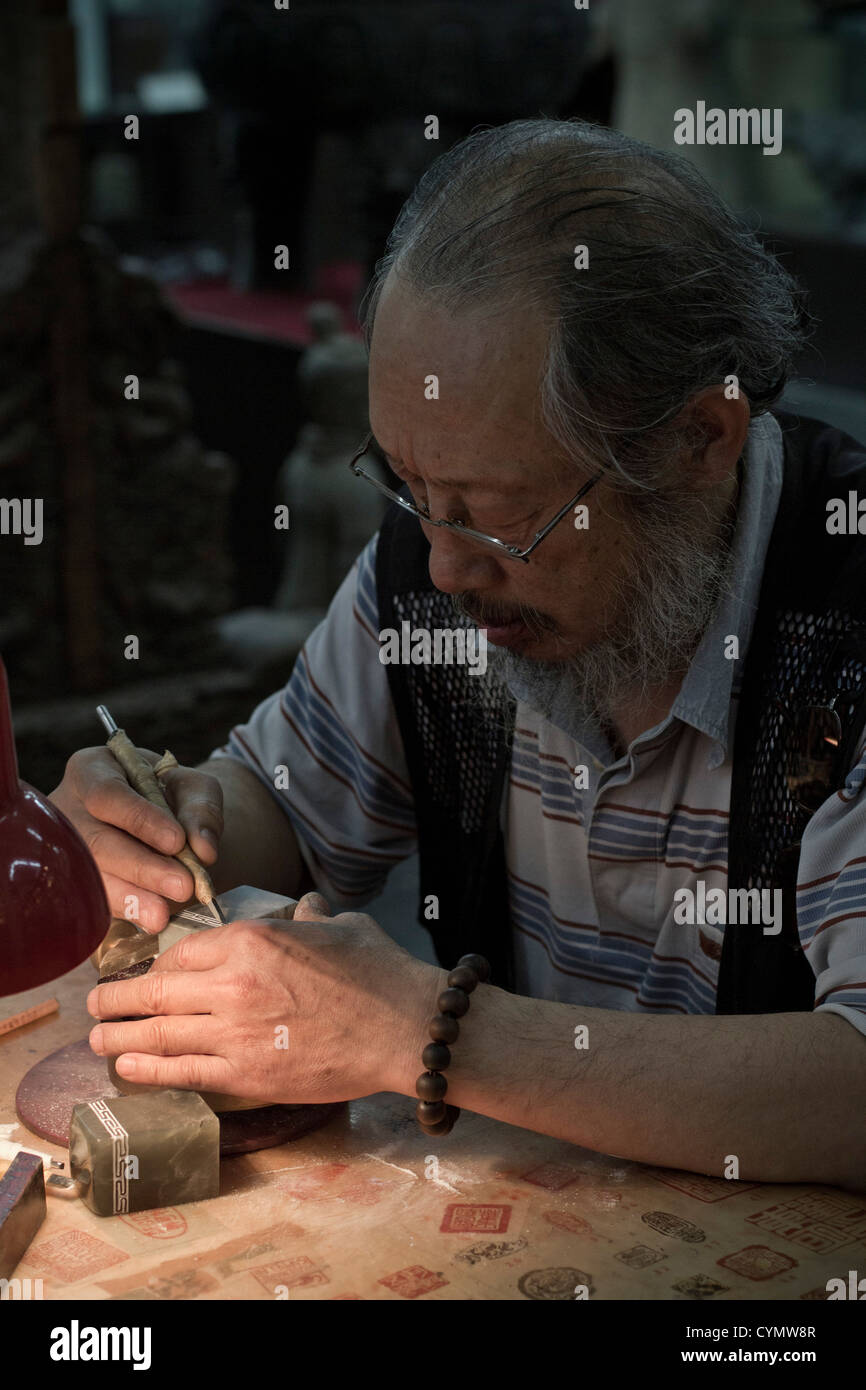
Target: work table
point(368, 1208)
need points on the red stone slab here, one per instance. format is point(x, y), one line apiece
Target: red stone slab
point(74, 1073)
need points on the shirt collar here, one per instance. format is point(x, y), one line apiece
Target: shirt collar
point(704, 700)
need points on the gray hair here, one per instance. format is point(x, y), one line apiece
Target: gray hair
point(679, 294)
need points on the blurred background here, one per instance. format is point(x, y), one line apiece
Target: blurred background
point(164, 385)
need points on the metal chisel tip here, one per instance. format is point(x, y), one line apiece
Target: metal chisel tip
point(108, 722)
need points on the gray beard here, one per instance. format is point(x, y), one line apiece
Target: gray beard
point(662, 607)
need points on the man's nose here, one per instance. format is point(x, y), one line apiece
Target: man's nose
point(458, 564)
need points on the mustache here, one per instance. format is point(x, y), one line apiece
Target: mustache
point(485, 613)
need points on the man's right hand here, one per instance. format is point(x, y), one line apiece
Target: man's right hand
point(133, 841)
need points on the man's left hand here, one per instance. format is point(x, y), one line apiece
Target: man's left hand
point(312, 1010)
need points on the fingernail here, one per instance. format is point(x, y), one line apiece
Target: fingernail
point(173, 886)
point(207, 834)
point(96, 1039)
point(167, 839)
point(126, 1066)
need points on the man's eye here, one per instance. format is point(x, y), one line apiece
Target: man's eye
point(416, 488)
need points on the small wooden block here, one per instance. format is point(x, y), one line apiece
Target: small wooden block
point(22, 1209)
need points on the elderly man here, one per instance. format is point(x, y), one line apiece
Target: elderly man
point(649, 812)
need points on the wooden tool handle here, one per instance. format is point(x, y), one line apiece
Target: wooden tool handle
point(142, 777)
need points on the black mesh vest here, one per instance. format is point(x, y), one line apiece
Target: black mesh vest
point(808, 645)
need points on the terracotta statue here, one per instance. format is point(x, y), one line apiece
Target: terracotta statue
point(331, 513)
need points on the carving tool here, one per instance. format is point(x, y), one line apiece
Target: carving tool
point(144, 779)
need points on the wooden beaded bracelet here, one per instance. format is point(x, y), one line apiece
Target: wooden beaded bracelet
point(434, 1116)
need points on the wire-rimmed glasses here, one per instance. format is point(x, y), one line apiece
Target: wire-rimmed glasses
point(513, 552)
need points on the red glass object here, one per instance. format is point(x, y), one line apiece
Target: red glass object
point(53, 909)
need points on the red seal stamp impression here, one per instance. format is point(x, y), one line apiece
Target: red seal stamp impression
point(553, 1176)
point(413, 1281)
point(475, 1216)
point(160, 1223)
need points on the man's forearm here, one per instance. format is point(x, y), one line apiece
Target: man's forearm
point(258, 845)
point(784, 1093)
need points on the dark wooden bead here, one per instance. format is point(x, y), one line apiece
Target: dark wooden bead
point(463, 978)
point(430, 1112)
point(453, 1001)
point(444, 1028)
point(478, 964)
point(443, 1127)
point(436, 1056)
point(431, 1085)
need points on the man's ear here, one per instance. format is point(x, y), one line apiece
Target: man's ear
point(720, 421)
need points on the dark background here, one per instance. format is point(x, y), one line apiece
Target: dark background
point(306, 127)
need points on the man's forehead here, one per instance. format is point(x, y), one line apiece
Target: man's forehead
point(443, 467)
point(415, 331)
point(481, 377)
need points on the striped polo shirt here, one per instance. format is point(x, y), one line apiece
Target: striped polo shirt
point(595, 871)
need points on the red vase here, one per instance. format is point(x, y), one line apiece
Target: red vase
point(53, 910)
